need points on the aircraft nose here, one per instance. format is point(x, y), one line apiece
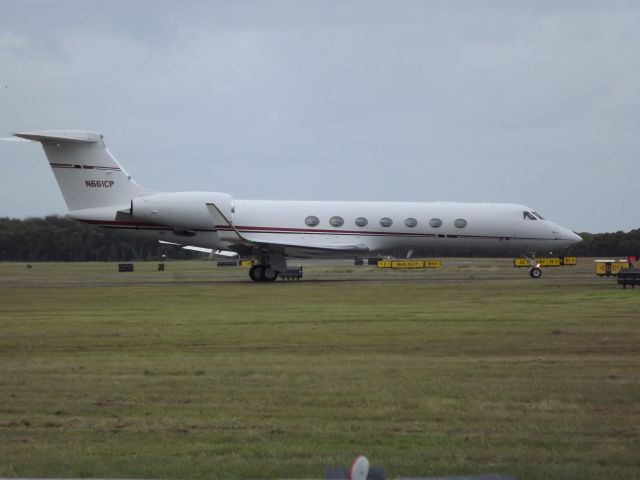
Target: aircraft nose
point(574, 237)
point(568, 235)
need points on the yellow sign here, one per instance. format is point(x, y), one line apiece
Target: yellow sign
point(548, 262)
point(430, 263)
point(407, 264)
point(247, 263)
point(545, 262)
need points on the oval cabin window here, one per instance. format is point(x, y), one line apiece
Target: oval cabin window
point(336, 221)
point(386, 222)
point(312, 221)
point(460, 223)
point(435, 222)
point(411, 222)
point(361, 222)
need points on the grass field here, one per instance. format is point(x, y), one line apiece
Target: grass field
point(196, 372)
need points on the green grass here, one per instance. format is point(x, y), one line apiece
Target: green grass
point(197, 373)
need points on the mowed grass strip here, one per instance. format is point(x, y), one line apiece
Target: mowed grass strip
point(537, 379)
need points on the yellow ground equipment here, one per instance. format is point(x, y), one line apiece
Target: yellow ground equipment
point(610, 267)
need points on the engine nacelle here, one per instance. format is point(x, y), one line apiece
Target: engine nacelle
point(181, 210)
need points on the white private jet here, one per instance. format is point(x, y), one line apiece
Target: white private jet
point(99, 191)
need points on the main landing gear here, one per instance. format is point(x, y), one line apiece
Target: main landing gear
point(269, 267)
point(263, 273)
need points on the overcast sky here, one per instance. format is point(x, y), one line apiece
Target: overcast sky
point(525, 102)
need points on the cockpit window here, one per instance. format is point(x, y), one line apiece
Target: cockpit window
point(538, 215)
point(528, 216)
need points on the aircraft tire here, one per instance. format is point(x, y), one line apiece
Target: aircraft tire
point(535, 272)
point(252, 273)
point(269, 274)
point(257, 273)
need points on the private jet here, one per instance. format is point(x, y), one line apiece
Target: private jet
point(98, 191)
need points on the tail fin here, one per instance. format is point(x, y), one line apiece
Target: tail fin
point(85, 170)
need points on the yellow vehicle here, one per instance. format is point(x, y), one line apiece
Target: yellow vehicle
point(610, 267)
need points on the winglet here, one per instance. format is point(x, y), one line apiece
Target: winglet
point(220, 219)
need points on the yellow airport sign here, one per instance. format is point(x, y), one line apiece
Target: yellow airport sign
point(429, 263)
point(407, 264)
point(545, 262)
point(548, 262)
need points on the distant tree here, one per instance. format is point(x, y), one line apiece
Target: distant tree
point(612, 244)
point(57, 238)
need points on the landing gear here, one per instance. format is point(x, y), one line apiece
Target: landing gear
point(269, 274)
point(252, 273)
point(269, 267)
point(263, 273)
point(535, 272)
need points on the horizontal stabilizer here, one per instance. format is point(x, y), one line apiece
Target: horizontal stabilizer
point(14, 139)
point(71, 136)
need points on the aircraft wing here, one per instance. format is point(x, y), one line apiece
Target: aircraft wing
point(305, 249)
point(211, 251)
point(318, 246)
point(287, 247)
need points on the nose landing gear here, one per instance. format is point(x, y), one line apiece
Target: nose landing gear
point(535, 272)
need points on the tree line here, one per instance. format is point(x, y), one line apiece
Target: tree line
point(614, 244)
point(60, 239)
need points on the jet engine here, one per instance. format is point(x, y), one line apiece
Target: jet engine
point(180, 210)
